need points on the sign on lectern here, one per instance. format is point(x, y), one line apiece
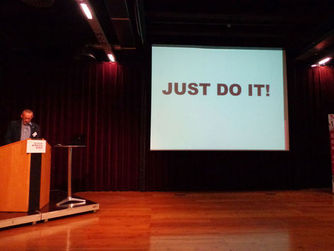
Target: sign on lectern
point(36, 146)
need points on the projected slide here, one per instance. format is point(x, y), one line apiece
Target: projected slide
point(218, 99)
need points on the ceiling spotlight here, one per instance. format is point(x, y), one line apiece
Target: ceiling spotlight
point(324, 61)
point(86, 10)
point(111, 57)
point(314, 65)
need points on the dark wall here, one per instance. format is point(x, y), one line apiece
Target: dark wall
point(110, 104)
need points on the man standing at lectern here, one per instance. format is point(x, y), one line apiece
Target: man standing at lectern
point(22, 129)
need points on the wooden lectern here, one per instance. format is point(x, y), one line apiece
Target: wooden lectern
point(24, 178)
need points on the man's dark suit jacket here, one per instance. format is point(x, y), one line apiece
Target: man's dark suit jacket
point(13, 132)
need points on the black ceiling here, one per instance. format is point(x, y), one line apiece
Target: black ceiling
point(52, 31)
point(57, 28)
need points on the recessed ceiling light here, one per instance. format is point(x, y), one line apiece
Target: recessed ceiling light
point(324, 61)
point(86, 10)
point(111, 57)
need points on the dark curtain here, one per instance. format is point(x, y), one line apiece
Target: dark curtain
point(110, 104)
point(310, 100)
point(307, 164)
point(100, 101)
point(320, 104)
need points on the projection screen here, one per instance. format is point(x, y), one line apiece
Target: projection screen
point(218, 99)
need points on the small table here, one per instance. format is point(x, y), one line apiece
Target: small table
point(69, 198)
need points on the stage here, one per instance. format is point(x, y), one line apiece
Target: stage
point(50, 211)
point(264, 220)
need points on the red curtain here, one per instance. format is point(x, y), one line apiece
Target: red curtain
point(310, 100)
point(307, 164)
point(321, 82)
point(110, 104)
point(101, 101)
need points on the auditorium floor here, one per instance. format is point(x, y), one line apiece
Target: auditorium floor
point(278, 220)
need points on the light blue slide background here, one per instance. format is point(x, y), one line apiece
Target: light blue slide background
point(212, 122)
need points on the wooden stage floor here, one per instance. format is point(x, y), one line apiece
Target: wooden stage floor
point(278, 220)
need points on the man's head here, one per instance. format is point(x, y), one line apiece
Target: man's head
point(27, 116)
